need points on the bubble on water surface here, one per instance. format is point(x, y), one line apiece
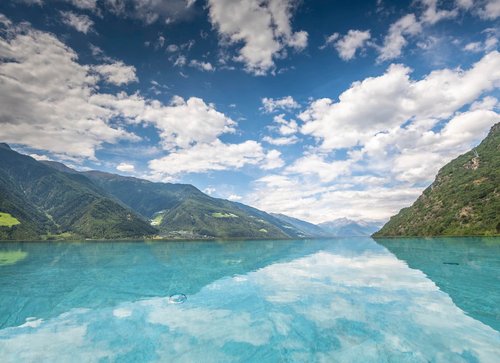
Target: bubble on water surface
point(177, 299)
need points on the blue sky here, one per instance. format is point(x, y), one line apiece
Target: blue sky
point(316, 109)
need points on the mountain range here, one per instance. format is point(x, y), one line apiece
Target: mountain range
point(42, 200)
point(48, 200)
point(344, 227)
point(464, 199)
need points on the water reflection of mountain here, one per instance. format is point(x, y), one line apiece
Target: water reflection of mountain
point(467, 269)
point(56, 277)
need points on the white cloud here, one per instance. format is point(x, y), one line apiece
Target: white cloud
point(330, 40)
point(71, 117)
point(234, 197)
point(490, 9)
point(280, 141)
point(40, 157)
point(287, 103)
point(209, 190)
point(80, 22)
point(474, 47)
point(117, 73)
point(216, 155)
point(272, 160)
point(201, 65)
point(286, 128)
point(181, 124)
point(314, 164)
point(351, 42)
point(84, 4)
point(180, 61)
point(264, 28)
point(151, 11)
point(432, 14)
point(49, 107)
point(409, 26)
point(396, 132)
point(395, 40)
point(172, 48)
point(125, 167)
point(489, 43)
point(317, 202)
point(464, 4)
point(378, 104)
point(32, 2)
point(487, 103)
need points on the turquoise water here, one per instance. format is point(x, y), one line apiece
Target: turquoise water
point(341, 300)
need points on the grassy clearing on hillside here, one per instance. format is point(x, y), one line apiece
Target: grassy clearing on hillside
point(156, 221)
point(224, 215)
point(6, 220)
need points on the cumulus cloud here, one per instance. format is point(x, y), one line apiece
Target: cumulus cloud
point(181, 124)
point(272, 160)
point(125, 167)
point(270, 105)
point(314, 164)
point(489, 10)
point(330, 40)
point(117, 73)
point(280, 141)
point(79, 22)
point(151, 11)
point(60, 109)
point(201, 65)
point(432, 14)
point(285, 127)
point(235, 197)
point(489, 43)
point(264, 28)
point(49, 107)
point(464, 4)
point(216, 155)
point(378, 104)
point(84, 4)
point(318, 202)
point(372, 159)
point(396, 40)
point(348, 45)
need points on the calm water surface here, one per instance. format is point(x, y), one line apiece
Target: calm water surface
point(345, 300)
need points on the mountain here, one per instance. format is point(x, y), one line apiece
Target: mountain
point(181, 210)
point(46, 199)
point(464, 199)
point(306, 228)
point(344, 227)
point(42, 202)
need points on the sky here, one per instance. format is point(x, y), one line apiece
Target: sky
point(315, 109)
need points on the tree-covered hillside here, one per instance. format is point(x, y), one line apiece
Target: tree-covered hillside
point(49, 203)
point(463, 200)
point(181, 210)
point(44, 200)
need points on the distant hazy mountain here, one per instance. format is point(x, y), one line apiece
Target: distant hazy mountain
point(463, 200)
point(344, 227)
point(40, 200)
point(307, 229)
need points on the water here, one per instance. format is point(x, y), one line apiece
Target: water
point(343, 300)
